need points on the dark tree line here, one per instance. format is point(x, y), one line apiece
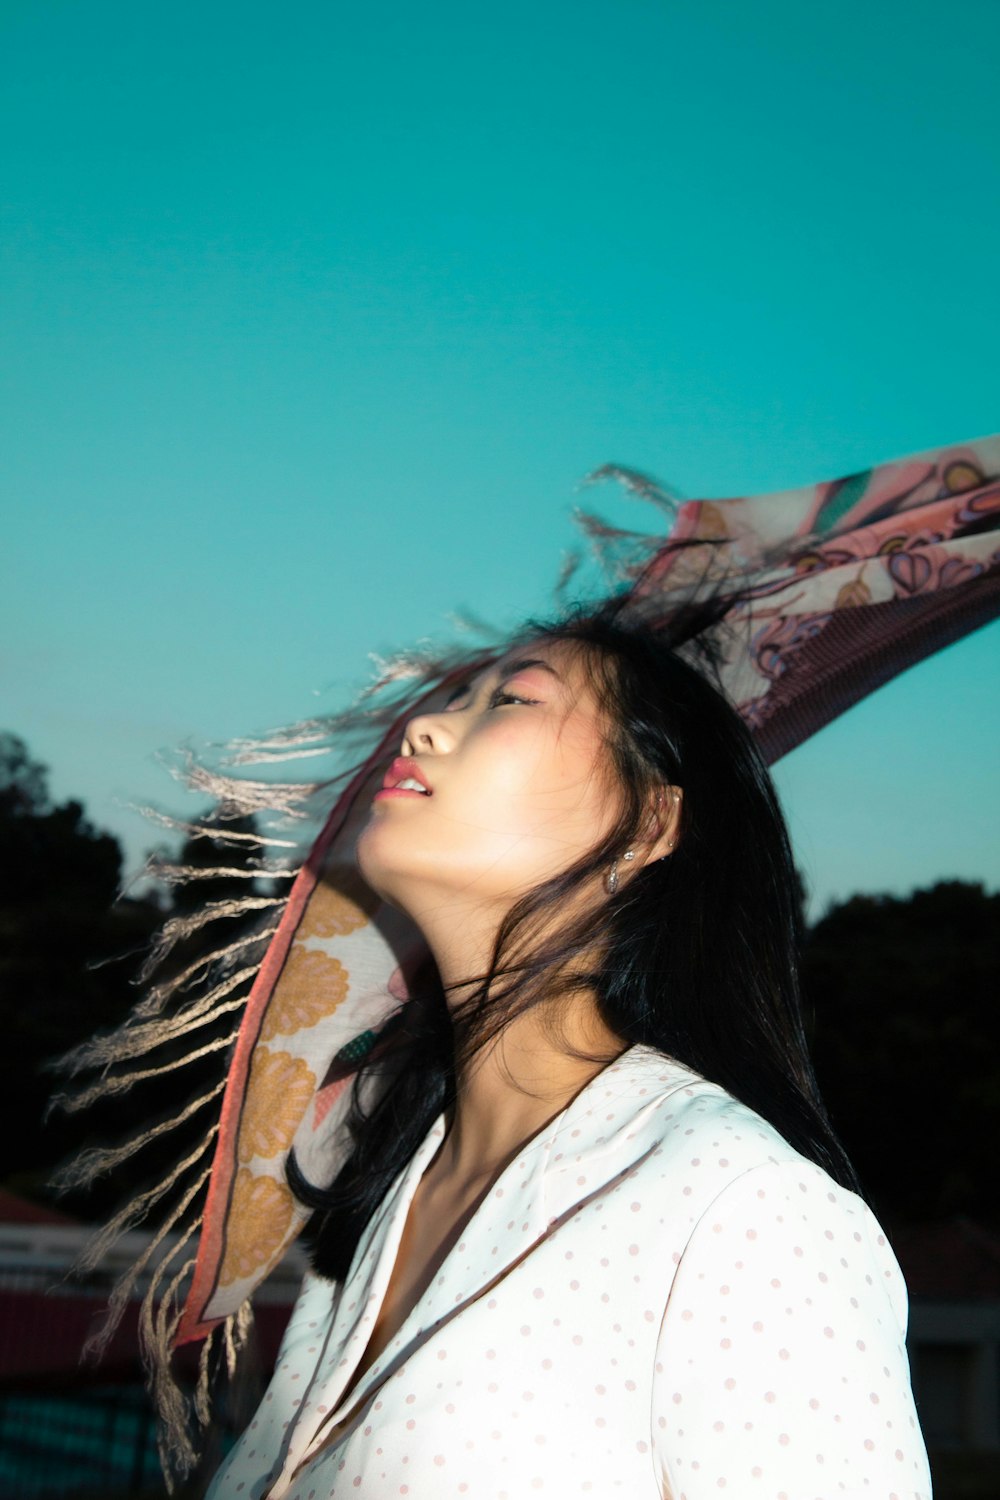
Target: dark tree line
point(61, 935)
point(906, 1039)
point(70, 951)
point(900, 994)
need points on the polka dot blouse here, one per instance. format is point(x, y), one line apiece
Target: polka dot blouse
point(658, 1298)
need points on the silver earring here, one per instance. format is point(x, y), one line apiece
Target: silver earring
point(611, 878)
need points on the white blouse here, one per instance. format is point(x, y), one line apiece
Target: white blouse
point(658, 1298)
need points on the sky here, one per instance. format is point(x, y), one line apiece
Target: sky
point(315, 318)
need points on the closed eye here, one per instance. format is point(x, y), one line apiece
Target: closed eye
point(500, 696)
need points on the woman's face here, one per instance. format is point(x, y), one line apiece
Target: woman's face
point(518, 787)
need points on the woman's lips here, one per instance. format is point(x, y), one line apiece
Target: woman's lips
point(404, 778)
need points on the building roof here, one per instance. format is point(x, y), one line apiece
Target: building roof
point(16, 1210)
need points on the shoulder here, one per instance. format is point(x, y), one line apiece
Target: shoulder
point(781, 1349)
point(695, 1124)
point(716, 1166)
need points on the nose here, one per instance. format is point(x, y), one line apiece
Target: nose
point(426, 732)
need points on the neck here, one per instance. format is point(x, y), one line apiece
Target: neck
point(521, 1080)
point(515, 1086)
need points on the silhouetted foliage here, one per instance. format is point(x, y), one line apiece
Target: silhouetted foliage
point(70, 948)
point(23, 784)
point(907, 1045)
point(59, 929)
point(130, 1114)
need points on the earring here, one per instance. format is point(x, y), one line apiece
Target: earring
point(611, 878)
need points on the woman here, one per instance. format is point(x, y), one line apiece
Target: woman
point(596, 1235)
point(579, 1222)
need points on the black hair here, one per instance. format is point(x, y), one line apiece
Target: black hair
point(695, 955)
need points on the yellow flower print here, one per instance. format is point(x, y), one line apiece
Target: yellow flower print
point(278, 1093)
point(341, 903)
point(311, 986)
point(257, 1225)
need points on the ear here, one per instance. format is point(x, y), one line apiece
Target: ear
point(662, 830)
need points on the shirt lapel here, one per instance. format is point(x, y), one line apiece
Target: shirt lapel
point(593, 1141)
point(355, 1311)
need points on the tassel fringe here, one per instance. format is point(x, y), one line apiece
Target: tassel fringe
point(95, 1161)
point(138, 1040)
point(120, 1084)
point(158, 994)
point(133, 1212)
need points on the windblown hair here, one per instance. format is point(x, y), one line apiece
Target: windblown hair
point(695, 955)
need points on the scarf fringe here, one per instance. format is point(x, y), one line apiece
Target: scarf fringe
point(224, 838)
point(140, 1040)
point(135, 1210)
point(125, 1081)
point(641, 487)
point(171, 874)
point(178, 929)
point(97, 1161)
point(157, 995)
point(239, 798)
point(176, 1437)
point(124, 1288)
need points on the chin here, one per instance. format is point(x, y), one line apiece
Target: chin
point(371, 866)
point(380, 865)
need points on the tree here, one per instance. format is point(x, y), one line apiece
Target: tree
point(48, 851)
point(906, 1031)
point(70, 949)
point(23, 787)
point(60, 929)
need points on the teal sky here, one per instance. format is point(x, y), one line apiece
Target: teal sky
point(315, 316)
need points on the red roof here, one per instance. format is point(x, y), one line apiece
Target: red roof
point(45, 1318)
point(44, 1333)
point(15, 1210)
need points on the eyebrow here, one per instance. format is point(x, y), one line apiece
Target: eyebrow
point(521, 665)
point(529, 661)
